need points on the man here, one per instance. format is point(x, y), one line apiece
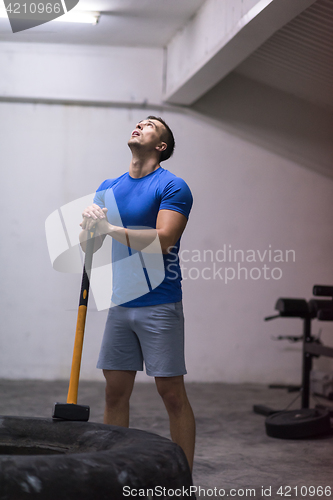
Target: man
point(150, 327)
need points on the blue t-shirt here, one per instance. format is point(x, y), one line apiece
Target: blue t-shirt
point(135, 203)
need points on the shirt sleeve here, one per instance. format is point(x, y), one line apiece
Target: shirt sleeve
point(99, 195)
point(177, 196)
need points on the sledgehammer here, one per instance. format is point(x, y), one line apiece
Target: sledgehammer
point(71, 410)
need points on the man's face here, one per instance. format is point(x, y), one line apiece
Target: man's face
point(147, 133)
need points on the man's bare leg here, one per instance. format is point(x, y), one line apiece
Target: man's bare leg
point(119, 386)
point(182, 423)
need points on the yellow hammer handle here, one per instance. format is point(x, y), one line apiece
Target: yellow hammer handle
point(77, 354)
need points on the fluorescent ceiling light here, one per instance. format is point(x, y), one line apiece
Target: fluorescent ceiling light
point(79, 17)
point(69, 17)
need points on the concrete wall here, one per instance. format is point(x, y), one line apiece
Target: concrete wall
point(254, 159)
point(245, 196)
point(80, 73)
point(272, 119)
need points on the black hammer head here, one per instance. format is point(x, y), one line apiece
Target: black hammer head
point(67, 411)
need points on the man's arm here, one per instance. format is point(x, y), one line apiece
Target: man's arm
point(169, 228)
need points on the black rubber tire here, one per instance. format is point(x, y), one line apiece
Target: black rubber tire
point(296, 424)
point(84, 461)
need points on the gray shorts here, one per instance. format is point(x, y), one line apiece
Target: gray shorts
point(153, 334)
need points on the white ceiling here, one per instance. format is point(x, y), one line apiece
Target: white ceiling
point(139, 23)
point(299, 57)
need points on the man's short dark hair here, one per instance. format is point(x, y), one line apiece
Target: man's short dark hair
point(167, 136)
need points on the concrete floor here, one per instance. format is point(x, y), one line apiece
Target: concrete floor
point(232, 450)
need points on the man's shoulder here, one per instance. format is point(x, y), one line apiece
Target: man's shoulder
point(168, 178)
point(175, 194)
point(108, 183)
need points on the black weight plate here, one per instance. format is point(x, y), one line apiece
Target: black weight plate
point(296, 424)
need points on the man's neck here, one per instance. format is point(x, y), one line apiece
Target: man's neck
point(140, 167)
